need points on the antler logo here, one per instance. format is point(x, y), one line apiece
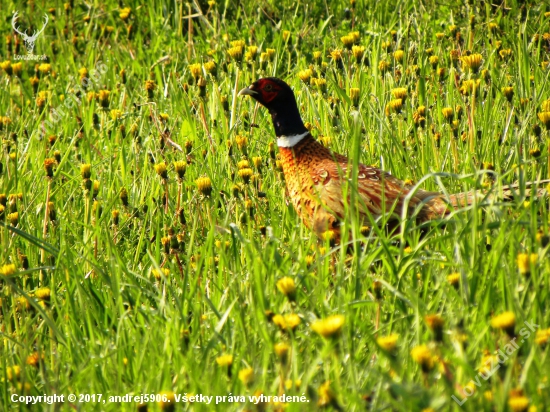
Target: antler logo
point(29, 40)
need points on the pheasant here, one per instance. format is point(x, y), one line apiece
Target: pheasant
point(315, 176)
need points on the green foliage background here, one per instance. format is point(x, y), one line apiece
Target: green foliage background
point(109, 326)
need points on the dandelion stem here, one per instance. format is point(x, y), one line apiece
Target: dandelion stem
point(165, 196)
point(45, 227)
point(234, 103)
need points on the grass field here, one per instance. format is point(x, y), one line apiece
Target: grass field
point(123, 272)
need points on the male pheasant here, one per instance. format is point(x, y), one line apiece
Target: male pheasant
point(315, 176)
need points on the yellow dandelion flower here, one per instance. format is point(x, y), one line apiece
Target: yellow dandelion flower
point(388, 343)
point(49, 164)
point(167, 401)
point(246, 376)
point(448, 113)
point(394, 106)
point(518, 404)
point(45, 68)
point(116, 114)
point(242, 142)
point(472, 62)
point(383, 66)
point(204, 185)
point(195, 70)
point(320, 83)
point(505, 321)
point(287, 287)
point(305, 75)
point(523, 262)
point(505, 53)
point(544, 117)
point(158, 274)
point(434, 61)
point(224, 360)
point(399, 55)
point(236, 53)
point(43, 293)
point(7, 67)
point(454, 280)
point(287, 322)
point(7, 270)
point(103, 97)
point(336, 54)
point(358, 52)
point(246, 174)
point(326, 395)
point(399, 93)
point(470, 86)
point(282, 350)
point(124, 13)
point(542, 337)
point(422, 355)
point(331, 327)
point(348, 41)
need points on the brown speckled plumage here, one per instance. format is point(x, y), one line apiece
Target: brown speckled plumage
point(315, 177)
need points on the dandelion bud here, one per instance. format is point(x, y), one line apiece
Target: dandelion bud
point(86, 170)
point(57, 156)
point(103, 98)
point(48, 166)
point(508, 92)
point(150, 87)
point(34, 83)
point(282, 351)
point(435, 323)
point(181, 217)
point(124, 197)
point(358, 52)
point(115, 214)
point(454, 280)
point(354, 94)
point(166, 241)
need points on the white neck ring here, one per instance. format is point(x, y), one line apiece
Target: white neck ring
point(290, 141)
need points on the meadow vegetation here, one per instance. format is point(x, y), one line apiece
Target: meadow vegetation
point(147, 244)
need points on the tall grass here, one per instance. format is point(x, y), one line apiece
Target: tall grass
point(88, 315)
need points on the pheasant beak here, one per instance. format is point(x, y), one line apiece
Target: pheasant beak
point(248, 91)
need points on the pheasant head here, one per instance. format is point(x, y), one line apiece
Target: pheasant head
point(278, 98)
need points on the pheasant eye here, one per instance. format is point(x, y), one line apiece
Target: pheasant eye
point(268, 87)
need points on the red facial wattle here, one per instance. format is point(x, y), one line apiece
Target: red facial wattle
point(268, 90)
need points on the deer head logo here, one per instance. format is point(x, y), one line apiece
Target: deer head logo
point(29, 40)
